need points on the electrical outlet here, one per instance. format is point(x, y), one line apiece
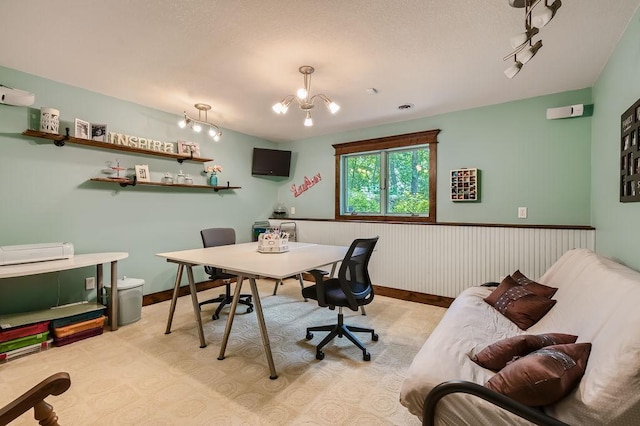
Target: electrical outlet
point(522, 212)
point(90, 283)
point(293, 210)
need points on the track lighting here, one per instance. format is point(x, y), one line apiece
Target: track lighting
point(524, 48)
point(196, 125)
point(304, 101)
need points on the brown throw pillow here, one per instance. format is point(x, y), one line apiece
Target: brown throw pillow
point(534, 287)
point(519, 304)
point(543, 377)
point(496, 356)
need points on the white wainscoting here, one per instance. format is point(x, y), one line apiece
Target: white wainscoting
point(443, 260)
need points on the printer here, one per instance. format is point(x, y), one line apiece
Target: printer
point(28, 253)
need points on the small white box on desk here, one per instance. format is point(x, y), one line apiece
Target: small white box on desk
point(272, 243)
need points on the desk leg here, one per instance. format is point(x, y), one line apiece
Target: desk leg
point(176, 290)
point(232, 314)
point(263, 328)
point(196, 308)
point(113, 315)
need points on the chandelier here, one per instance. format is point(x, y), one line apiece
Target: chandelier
point(523, 46)
point(304, 98)
point(196, 125)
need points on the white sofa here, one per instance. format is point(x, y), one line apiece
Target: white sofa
point(597, 299)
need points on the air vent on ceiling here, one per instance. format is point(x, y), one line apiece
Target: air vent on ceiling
point(405, 107)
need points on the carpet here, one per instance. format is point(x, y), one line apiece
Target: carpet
point(137, 375)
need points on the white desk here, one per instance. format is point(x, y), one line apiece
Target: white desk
point(245, 261)
point(75, 262)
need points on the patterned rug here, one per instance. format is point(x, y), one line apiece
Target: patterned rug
point(140, 376)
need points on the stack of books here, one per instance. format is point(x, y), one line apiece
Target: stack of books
point(20, 341)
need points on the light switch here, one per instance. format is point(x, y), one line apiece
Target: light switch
point(522, 212)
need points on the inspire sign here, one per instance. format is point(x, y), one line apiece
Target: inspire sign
point(141, 143)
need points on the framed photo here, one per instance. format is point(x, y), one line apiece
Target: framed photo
point(142, 173)
point(99, 132)
point(83, 129)
point(189, 148)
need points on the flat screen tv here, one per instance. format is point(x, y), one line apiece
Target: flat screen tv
point(270, 162)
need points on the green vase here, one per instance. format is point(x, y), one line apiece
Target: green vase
point(213, 180)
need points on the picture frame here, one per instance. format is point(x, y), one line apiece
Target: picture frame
point(99, 132)
point(142, 173)
point(191, 149)
point(83, 129)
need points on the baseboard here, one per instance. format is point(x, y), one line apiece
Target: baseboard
point(410, 296)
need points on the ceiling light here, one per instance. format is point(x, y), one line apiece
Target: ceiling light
point(303, 98)
point(524, 48)
point(549, 11)
point(525, 55)
point(513, 69)
point(196, 125)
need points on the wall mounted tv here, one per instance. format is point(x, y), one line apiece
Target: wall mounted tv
point(270, 162)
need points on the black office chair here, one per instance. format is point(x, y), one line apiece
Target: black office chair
point(351, 289)
point(213, 237)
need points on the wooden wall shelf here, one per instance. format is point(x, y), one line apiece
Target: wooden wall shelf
point(60, 140)
point(133, 182)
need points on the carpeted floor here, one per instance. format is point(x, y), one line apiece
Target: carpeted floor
point(140, 376)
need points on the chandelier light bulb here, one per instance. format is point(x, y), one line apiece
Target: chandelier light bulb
point(513, 70)
point(182, 123)
point(197, 127)
point(217, 137)
point(520, 39)
point(302, 93)
point(543, 18)
point(277, 108)
point(308, 121)
point(528, 53)
point(212, 132)
point(334, 107)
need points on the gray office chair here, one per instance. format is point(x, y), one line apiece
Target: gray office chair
point(213, 237)
point(351, 289)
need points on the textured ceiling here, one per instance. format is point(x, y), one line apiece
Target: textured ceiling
point(242, 56)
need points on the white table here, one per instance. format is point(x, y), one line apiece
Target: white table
point(245, 261)
point(75, 262)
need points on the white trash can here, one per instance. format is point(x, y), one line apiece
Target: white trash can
point(129, 299)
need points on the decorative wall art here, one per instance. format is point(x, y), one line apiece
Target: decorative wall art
point(142, 173)
point(99, 132)
point(189, 148)
point(465, 185)
point(82, 129)
point(630, 154)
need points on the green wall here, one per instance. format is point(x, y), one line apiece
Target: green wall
point(525, 161)
point(617, 224)
point(46, 195)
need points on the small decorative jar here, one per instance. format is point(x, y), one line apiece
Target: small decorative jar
point(167, 178)
point(180, 178)
point(188, 180)
point(213, 179)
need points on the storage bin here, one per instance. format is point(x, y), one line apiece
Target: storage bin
point(28, 330)
point(21, 342)
point(129, 299)
point(67, 330)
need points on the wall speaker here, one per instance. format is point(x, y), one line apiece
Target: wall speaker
point(565, 112)
point(16, 97)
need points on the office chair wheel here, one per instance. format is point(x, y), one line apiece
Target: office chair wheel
point(309, 335)
point(319, 355)
point(366, 356)
point(249, 309)
point(374, 337)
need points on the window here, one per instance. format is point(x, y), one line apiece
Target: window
point(387, 179)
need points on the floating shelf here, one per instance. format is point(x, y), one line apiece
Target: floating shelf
point(132, 182)
point(60, 140)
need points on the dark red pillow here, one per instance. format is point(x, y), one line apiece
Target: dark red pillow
point(497, 355)
point(517, 303)
point(543, 377)
point(534, 287)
